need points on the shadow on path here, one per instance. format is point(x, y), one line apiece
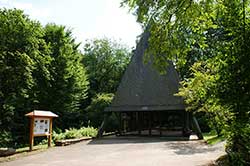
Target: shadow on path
point(189, 148)
point(178, 145)
point(134, 139)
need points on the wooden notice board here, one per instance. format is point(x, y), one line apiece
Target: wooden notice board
point(40, 125)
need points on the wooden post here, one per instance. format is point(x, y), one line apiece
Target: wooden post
point(118, 116)
point(124, 120)
point(186, 129)
point(197, 127)
point(101, 128)
point(130, 121)
point(184, 124)
point(150, 123)
point(134, 121)
point(139, 122)
point(31, 133)
point(187, 120)
point(50, 133)
point(160, 118)
point(120, 123)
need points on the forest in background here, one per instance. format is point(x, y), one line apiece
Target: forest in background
point(42, 68)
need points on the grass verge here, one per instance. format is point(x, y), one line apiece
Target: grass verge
point(212, 138)
point(21, 152)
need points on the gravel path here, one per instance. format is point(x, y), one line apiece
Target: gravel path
point(125, 151)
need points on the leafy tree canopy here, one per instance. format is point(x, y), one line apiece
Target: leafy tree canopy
point(105, 61)
point(22, 53)
point(40, 68)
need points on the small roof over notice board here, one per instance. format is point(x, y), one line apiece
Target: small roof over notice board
point(41, 113)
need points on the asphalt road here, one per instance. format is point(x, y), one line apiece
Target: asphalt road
point(125, 151)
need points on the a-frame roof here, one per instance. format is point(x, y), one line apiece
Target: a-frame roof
point(142, 88)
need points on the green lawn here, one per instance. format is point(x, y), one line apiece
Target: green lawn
point(212, 138)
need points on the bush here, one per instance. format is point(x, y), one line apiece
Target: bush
point(57, 137)
point(95, 110)
point(238, 146)
point(88, 131)
point(75, 133)
point(5, 139)
point(72, 133)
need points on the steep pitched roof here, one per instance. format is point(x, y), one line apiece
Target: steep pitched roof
point(142, 88)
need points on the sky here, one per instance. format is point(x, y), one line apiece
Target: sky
point(88, 19)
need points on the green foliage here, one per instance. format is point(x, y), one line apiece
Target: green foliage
point(105, 61)
point(5, 138)
point(88, 131)
point(238, 146)
point(199, 93)
point(72, 133)
point(95, 110)
point(56, 136)
point(40, 68)
point(75, 133)
point(22, 50)
point(68, 85)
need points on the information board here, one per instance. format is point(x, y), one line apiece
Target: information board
point(41, 126)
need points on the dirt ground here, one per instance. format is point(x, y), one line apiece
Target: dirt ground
point(126, 151)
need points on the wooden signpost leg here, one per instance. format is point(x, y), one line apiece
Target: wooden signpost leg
point(50, 133)
point(31, 133)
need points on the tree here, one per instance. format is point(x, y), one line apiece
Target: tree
point(96, 108)
point(22, 50)
point(40, 68)
point(68, 85)
point(105, 61)
point(218, 32)
point(199, 92)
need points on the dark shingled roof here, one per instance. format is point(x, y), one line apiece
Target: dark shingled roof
point(142, 88)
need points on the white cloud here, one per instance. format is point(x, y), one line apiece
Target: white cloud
point(23, 6)
point(117, 23)
point(15, 4)
point(4, 1)
point(37, 13)
point(28, 8)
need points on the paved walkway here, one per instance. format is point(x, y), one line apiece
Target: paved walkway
point(125, 152)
